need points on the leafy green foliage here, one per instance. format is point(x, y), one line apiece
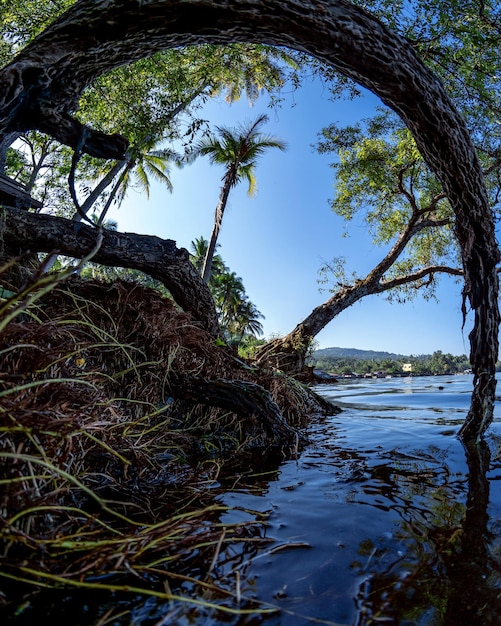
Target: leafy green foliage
point(237, 150)
point(238, 316)
point(436, 364)
point(154, 103)
point(459, 41)
point(146, 98)
point(41, 164)
point(382, 180)
point(151, 102)
point(374, 160)
point(22, 20)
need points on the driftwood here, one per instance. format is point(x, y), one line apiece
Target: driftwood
point(160, 258)
point(41, 87)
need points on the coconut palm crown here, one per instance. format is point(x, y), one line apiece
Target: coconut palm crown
point(237, 150)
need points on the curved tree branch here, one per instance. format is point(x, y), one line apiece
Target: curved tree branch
point(415, 225)
point(159, 258)
point(42, 85)
point(246, 399)
point(386, 285)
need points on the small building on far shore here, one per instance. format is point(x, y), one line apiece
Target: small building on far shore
point(407, 368)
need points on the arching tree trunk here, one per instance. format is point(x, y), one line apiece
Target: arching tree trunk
point(288, 353)
point(42, 85)
point(159, 258)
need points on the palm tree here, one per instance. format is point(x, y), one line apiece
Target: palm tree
point(142, 163)
point(247, 320)
point(238, 316)
point(198, 253)
point(238, 150)
point(229, 293)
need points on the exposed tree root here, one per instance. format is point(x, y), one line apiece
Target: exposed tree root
point(136, 350)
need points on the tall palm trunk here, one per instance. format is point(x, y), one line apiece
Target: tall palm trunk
point(229, 181)
point(100, 187)
point(92, 198)
point(114, 192)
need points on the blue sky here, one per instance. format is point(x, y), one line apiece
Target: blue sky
point(277, 241)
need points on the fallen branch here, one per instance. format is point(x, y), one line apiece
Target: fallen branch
point(159, 258)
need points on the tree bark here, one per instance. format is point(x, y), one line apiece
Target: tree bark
point(246, 399)
point(159, 258)
point(288, 353)
point(229, 179)
point(42, 85)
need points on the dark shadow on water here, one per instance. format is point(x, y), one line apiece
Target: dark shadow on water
point(385, 518)
point(448, 574)
point(474, 599)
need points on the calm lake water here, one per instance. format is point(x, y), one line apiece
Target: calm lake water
point(385, 518)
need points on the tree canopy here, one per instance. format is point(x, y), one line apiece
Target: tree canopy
point(42, 85)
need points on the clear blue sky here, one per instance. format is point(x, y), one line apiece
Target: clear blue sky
point(277, 241)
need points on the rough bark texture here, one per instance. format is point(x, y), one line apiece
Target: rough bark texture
point(40, 87)
point(246, 399)
point(160, 258)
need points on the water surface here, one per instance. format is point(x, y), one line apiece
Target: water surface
point(385, 517)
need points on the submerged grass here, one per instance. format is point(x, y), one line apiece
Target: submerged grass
point(107, 482)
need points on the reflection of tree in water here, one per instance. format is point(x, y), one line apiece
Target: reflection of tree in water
point(473, 571)
point(443, 572)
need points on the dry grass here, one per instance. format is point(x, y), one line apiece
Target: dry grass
point(96, 491)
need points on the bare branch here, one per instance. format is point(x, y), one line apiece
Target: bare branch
point(408, 194)
point(431, 270)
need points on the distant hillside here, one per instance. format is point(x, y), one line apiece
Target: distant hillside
point(367, 355)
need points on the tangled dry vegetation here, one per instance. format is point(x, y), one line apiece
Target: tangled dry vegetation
point(106, 459)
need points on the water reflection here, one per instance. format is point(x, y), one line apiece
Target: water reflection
point(401, 526)
point(444, 572)
point(473, 571)
point(385, 518)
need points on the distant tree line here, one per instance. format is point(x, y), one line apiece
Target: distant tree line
point(436, 364)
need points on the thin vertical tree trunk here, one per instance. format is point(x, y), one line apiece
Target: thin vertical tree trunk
point(218, 220)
